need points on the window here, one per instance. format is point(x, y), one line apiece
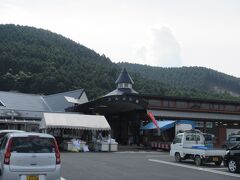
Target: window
point(205, 106)
point(209, 124)
point(181, 104)
point(120, 85)
point(216, 107)
point(154, 102)
point(199, 124)
point(127, 85)
point(221, 107)
point(165, 103)
point(172, 104)
point(238, 108)
point(230, 108)
point(192, 137)
point(33, 145)
point(194, 105)
point(124, 85)
point(178, 139)
point(233, 139)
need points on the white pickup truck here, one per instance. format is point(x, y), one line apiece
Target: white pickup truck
point(191, 145)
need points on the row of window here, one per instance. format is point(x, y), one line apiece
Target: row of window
point(193, 105)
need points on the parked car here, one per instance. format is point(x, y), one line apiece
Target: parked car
point(232, 159)
point(4, 132)
point(29, 156)
point(232, 140)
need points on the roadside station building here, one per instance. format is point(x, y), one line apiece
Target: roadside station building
point(38, 113)
point(25, 111)
point(126, 111)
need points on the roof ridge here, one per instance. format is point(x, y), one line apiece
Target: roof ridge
point(64, 92)
point(46, 104)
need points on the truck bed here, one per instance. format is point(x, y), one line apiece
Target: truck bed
point(205, 152)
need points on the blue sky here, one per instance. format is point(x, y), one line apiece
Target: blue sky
point(168, 33)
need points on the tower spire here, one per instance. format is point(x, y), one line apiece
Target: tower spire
point(124, 77)
point(124, 84)
point(124, 80)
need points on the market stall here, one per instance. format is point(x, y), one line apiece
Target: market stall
point(78, 132)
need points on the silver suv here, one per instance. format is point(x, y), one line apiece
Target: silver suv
point(29, 156)
point(232, 140)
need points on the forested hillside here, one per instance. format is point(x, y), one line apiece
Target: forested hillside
point(39, 61)
point(200, 78)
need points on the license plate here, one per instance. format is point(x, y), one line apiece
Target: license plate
point(32, 177)
point(215, 158)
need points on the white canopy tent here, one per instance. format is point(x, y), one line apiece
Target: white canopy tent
point(74, 121)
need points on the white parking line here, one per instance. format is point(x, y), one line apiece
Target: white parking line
point(219, 168)
point(154, 156)
point(136, 152)
point(195, 168)
point(62, 178)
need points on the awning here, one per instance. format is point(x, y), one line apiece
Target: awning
point(74, 121)
point(162, 125)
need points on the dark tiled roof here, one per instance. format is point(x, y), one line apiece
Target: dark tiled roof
point(20, 101)
point(124, 77)
point(58, 103)
point(40, 103)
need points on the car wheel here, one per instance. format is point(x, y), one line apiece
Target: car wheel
point(233, 166)
point(198, 160)
point(178, 157)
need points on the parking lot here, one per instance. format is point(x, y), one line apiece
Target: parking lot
point(136, 165)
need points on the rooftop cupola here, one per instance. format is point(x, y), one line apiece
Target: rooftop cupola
point(124, 84)
point(124, 80)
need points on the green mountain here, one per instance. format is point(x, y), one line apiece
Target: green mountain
point(39, 61)
point(200, 78)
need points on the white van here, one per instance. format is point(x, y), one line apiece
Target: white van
point(29, 156)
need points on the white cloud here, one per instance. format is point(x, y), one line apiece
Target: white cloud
point(160, 49)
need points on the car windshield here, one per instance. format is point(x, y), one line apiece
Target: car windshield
point(235, 147)
point(33, 145)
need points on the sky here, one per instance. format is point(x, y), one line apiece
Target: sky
point(165, 33)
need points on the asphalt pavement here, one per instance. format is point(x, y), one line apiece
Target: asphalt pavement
point(139, 165)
